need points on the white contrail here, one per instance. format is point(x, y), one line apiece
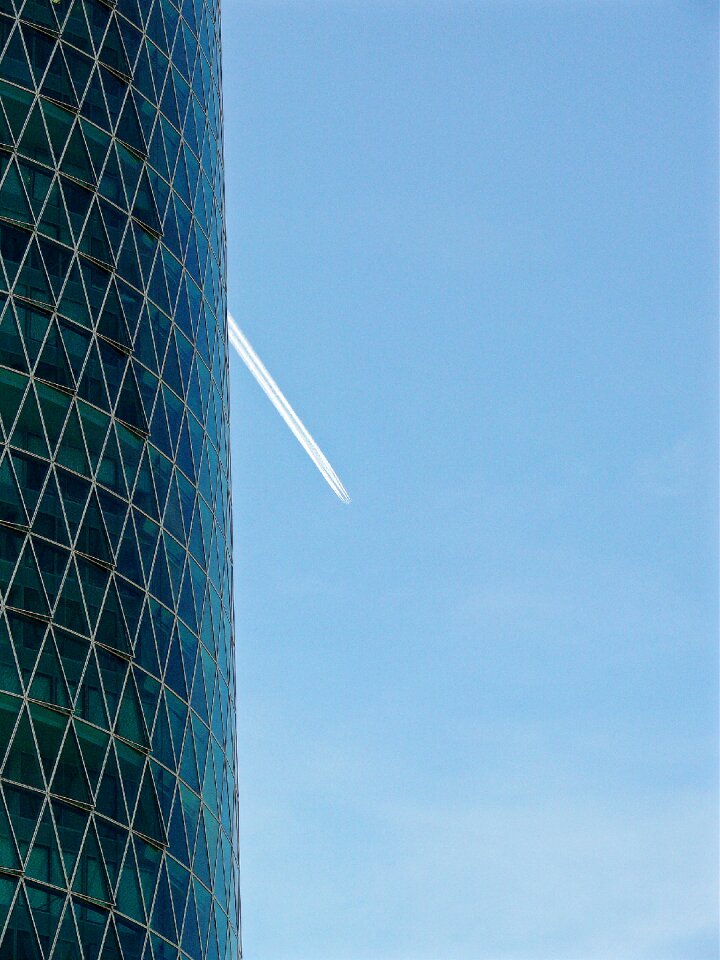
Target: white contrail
point(274, 394)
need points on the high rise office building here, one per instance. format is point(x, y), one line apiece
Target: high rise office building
point(118, 800)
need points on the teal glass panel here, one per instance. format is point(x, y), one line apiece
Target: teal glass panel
point(117, 799)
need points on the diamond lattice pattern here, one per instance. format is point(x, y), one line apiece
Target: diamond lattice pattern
point(118, 800)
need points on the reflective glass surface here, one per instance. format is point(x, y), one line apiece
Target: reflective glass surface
point(118, 800)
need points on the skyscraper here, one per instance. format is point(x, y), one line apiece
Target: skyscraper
point(118, 800)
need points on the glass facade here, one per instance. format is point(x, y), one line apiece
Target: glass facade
point(118, 800)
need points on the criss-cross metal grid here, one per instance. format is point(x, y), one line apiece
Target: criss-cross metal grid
point(118, 799)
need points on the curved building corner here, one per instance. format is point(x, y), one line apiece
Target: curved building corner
point(118, 797)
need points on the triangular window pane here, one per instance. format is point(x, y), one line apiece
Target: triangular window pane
point(161, 742)
point(75, 492)
point(130, 724)
point(112, 320)
point(176, 834)
point(129, 407)
point(92, 538)
point(57, 84)
point(191, 932)
point(22, 764)
point(158, 289)
point(131, 764)
point(70, 824)
point(70, 780)
point(144, 208)
point(9, 858)
point(50, 729)
point(113, 841)
point(160, 582)
point(46, 907)
point(20, 940)
point(58, 122)
point(70, 611)
point(128, 557)
point(9, 677)
point(147, 816)
point(144, 494)
point(73, 653)
point(201, 735)
point(73, 303)
point(13, 201)
point(111, 185)
point(172, 519)
point(40, 47)
point(76, 160)
point(109, 800)
point(128, 265)
point(147, 114)
point(128, 896)
point(90, 704)
point(77, 343)
point(34, 142)
point(159, 428)
point(113, 51)
point(92, 383)
point(110, 471)
point(201, 864)
point(132, 304)
point(165, 784)
point(129, 129)
point(93, 106)
point(91, 923)
point(14, 63)
point(174, 675)
point(78, 200)
point(24, 809)
point(90, 877)
point(54, 406)
point(95, 425)
point(52, 562)
point(67, 944)
point(12, 505)
point(37, 182)
point(132, 600)
point(45, 863)
point(114, 363)
point(94, 580)
point(27, 591)
point(111, 947)
point(6, 136)
point(111, 630)
point(71, 451)
point(171, 370)
point(148, 385)
point(145, 650)
point(94, 240)
point(188, 765)
point(11, 343)
point(147, 537)
point(199, 702)
point(93, 746)
point(48, 682)
point(177, 712)
point(179, 884)
point(162, 916)
point(53, 363)
point(28, 432)
point(27, 637)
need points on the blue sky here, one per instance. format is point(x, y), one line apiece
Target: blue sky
point(475, 245)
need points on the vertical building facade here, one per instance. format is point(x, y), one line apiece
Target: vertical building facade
point(118, 800)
